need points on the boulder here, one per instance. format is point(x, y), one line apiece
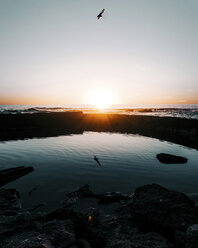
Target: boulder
point(166, 158)
point(148, 240)
point(12, 174)
point(9, 202)
point(111, 197)
point(157, 208)
point(192, 236)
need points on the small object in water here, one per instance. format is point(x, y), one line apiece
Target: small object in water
point(100, 15)
point(97, 160)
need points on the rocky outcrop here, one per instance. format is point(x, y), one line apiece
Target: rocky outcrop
point(177, 130)
point(192, 236)
point(9, 202)
point(12, 174)
point(154, 218)
point(156, 208)
point(171, 159)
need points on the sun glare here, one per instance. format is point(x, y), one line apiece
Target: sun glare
point(101, 99)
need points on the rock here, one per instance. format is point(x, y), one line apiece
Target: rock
point(12, 174)
point(73, 197)
point(82, 227)
point(59, 232)
point(83, 192)
point(180, 238)
point(82, 243)
point(157, 208)
point(171, 159)
point(192, 236)
point(19, 223)
point(148, 240)
point(9, 202)
point(111, 197)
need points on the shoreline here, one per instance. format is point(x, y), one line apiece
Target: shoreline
point(151, 217)
point(39, 125)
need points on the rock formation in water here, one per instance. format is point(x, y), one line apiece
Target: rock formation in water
point(9, 175)
point(177, 130)
point(171, 159)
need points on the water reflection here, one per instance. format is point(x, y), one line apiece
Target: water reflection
point(67, 162)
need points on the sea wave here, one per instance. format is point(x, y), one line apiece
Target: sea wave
point(180, 111)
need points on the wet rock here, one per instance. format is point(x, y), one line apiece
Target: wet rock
point(111, 197)
point(171, 159)
point(82, 243)
point(27, 240)
point(73, 197)
point(82, 227)
point(59, 232)
point(163, 210)
point(83, 192)
point(148, 240)
point(180, 238)
point(12, 174)
point(192, 236)
point(19, 223)
point(9, 202)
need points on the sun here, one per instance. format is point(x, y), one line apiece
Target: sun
point(100, 99)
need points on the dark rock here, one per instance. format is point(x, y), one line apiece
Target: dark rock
point(171, 159)
point(62, 214)
point(9, 202)
point(83, 192)
point(59, 232)
point(82, 227)
point(192, 236)
point(27, 240)
point(157, 208)
point(180, 238)
point(111, 197)
point(12, 174)
point(19, 223)
point(148, 240)
point(82, 243)
point(73, 197)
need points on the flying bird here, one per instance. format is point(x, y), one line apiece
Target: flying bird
point(100, 15)
point(97, 160)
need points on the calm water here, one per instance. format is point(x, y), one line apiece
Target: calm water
point(64, 163)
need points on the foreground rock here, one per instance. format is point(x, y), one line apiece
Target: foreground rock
point(162, 210)
point(171, 159)
point(192, 236)
point(154, 218)
point(9, 202)
point(12, 174)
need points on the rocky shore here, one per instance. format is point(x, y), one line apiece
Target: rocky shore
point(20, 126)
point(151, 217)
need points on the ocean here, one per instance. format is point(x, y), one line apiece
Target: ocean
point(189, 111)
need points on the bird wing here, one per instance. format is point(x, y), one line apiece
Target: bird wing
point(101, 13)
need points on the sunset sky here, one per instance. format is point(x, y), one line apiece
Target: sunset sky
point(57, 52)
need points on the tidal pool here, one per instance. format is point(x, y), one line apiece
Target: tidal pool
point(62, 164)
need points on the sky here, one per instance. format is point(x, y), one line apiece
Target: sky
point(57, 52)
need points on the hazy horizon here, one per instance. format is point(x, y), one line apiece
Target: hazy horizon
point(140, 52)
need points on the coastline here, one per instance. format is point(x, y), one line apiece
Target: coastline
point(38, 125)
point(152, 217)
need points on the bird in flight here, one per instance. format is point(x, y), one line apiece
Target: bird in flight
point(100, 15)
